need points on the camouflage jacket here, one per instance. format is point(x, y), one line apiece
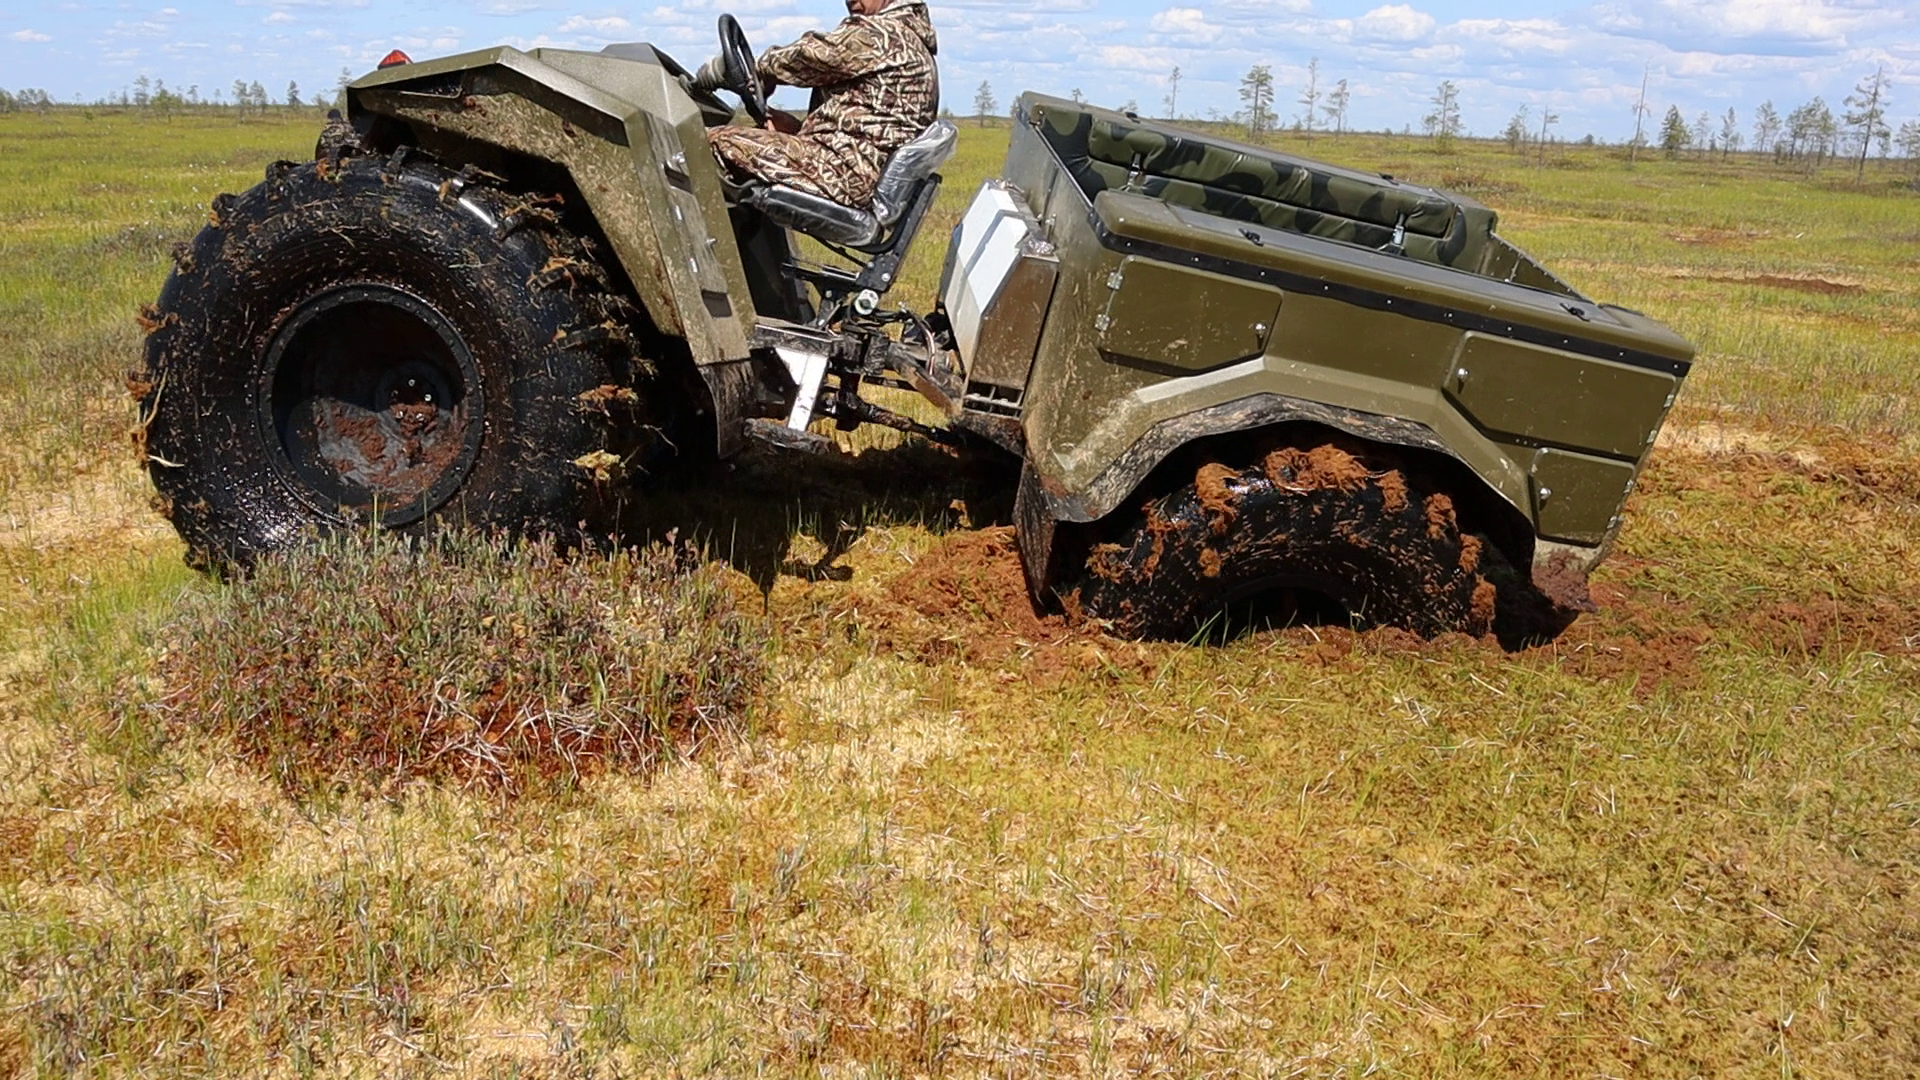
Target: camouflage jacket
point(874, 86)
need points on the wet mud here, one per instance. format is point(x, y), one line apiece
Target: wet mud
point(396, 454)
point(967, 598)
point(1214, 485)
point(1326, 467)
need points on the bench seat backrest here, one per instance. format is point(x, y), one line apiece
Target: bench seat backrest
point(1103, 150)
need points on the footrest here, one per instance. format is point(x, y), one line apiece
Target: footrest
point(774, 433)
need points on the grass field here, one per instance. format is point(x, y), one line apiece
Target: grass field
point(951, 839)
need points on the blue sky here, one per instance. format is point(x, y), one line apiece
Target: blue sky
point(1584, 62)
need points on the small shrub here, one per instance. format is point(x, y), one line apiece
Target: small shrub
point(367, 661)
point(1476, 183)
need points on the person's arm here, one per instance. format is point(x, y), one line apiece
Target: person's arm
point(842, 55)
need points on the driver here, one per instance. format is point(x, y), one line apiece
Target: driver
point(874, 86)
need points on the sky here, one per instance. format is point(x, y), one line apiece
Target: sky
point(1584, 63)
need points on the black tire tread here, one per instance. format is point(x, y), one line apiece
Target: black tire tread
point(1341, 518)
point(574, 341)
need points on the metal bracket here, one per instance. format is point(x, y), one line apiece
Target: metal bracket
point(808, 370)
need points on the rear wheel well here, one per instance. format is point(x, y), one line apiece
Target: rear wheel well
point(1481, 510)
point(1297, 523)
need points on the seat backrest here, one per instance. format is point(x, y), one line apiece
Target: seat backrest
point(1104, 150)
point(909, 165)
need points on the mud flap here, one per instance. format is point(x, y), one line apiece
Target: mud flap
point(1034, 530)
point(732, 388)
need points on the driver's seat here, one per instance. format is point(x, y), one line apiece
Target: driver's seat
point(910, 168)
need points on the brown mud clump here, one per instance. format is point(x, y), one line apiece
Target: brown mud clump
point(151, 318)
point(1325, 467)
point(1470, 547)
point(966, 598)
point(1393, 490)
point(1441, 520)
point(602, 398)
point(1536, 609)
point(1560, 579)
point(1485, 606)
point(1211, 562)
point(1214, 485)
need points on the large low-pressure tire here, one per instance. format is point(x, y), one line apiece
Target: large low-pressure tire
point(1338, 522)
point(370, 339)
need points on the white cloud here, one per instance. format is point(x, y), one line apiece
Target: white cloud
point(1266, 9)
point(785, 28)
point(1516, 35)
point(1438, 55)
point(1395, 22)
point(611, 24)
point(1810, 20)
point(279, 18)
point(32, 37)
point(1134, 58)
point(1186, 24)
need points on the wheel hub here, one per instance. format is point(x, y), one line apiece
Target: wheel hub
point(370, 404)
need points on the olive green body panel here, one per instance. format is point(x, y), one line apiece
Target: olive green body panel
point(1219, 320)
point(632, 141)
point(1598, 404)
point(1163, 311)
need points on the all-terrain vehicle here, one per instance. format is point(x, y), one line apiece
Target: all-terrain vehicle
point(1237, 380)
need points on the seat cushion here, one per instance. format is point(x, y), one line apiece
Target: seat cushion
point(815, 216)
point(838, 224)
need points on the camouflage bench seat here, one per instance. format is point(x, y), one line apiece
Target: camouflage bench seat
point(1105, 150)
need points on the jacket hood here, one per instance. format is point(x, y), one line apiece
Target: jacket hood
point(914, 14)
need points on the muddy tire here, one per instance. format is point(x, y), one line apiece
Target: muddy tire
point(1337, 522)
point(364, 340)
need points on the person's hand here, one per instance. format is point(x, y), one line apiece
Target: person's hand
point(711, 76)
point(783, 122)
point(766, 86)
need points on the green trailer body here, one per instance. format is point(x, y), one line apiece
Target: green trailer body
point(1204, 287)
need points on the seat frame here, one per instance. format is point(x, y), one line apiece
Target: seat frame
point(879, 261)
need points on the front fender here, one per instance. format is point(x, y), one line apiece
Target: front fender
point(633, 145)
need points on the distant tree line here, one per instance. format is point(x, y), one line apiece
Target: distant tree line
point(1809, 135)
point(154, 95)
point(25, 100)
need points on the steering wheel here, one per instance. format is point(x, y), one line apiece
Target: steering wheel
point(736, 56)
